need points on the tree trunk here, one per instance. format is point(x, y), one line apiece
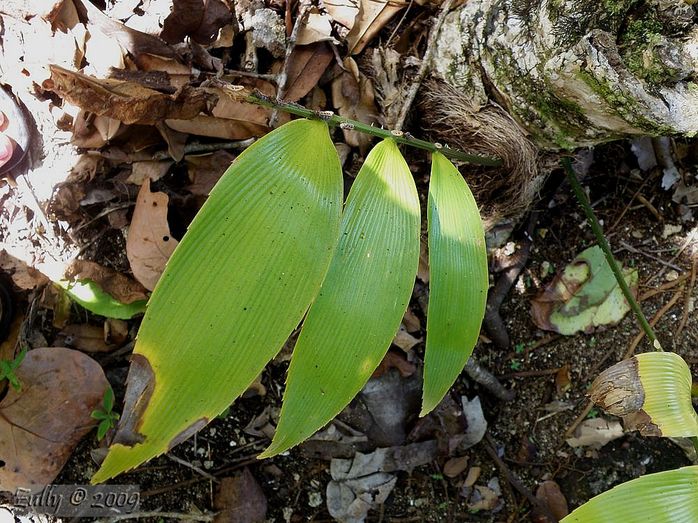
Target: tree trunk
point(574, 72)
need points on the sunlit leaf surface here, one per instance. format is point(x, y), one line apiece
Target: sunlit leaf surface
point(358, 311)
point(234, 289)
point(91, 296)
point(458, 279)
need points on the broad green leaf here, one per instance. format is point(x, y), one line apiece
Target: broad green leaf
point(363, 298)
point(652, 392)
point(458, 279)
point(91, 296)
point(664, 497)
point(584, 296)
point(237, 285)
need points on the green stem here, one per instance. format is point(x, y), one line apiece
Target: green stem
point(605, 247)
point(346, 123)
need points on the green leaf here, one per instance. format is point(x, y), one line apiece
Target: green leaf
point(103, 428)
point(363, 298)
point(91, 296)
point(664, 497)
point(652, 392)
point(458, 279)
point(237, 285)
point(108, 400)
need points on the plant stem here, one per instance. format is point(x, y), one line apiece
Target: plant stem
point(346, 123)
point(605, 247)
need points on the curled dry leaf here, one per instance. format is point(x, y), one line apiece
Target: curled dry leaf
point(85, 337)
point(595, 433)
point(373, 15)
point(151, 169)
point(397, 361)
point(149, 243)
point(128, 102)
point(41, 425)
point(405, 340)
point(307, 65)
point(23, 276)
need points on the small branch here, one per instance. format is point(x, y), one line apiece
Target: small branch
point(482, 376)
point(605, 247)
point(345, 123)
point(636, 341)
point(424, 67)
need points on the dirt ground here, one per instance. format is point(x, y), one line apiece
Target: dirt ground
point(524, 445)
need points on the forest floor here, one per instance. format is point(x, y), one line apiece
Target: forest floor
point(477, 457)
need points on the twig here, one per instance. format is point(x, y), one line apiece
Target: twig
point(663, 288)
point(635, 250)
point(529, 374)
point(687, 299)
point(689, 239)
point(304, 11)
point(194, 148)
point(346, 123)
point(424, 67)
point(493, 322)
point(636, 341)
point(542, 507)
point(196, 469)
point(651, 208)
point(485, 378)
point(603, 243)
point(627, 206)
point(570, 430)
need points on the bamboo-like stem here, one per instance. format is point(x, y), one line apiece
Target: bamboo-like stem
point(605, 247)
point(346, 123)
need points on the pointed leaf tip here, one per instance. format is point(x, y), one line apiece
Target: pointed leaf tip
point(234, 289)
point(367, 287)
point(458, 279)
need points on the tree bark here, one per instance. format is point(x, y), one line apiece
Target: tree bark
point(574, 72)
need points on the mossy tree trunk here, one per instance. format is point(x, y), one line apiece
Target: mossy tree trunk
point(574, 72)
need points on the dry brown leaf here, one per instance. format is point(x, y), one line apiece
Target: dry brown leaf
point(22, 275)
point(122, 288)
point(85, 337)
point(128, 102)
point(343, 12)
point(354, 98)
point(595, 433)
point(411, 321)
point(150, 243)
point(549, 493)
point(230, 118)
point(41, 425)
point(205, 170)
point(317, 28)
point(455, 466)
point(307, 65)
point(199, 19)
point(7, 346)
point(372, 17)
point(240, 499)
point(151, 169)
point(423, 268)
point(115, 331)
point(404, 339)
point(176, 141)
point(563, 380)
point(394, 360)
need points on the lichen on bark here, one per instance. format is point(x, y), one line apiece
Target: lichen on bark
point(577, 73)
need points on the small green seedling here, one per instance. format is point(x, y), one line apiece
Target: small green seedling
point(8, 368)
point(107, 418)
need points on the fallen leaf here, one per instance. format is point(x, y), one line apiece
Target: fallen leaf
point(240, 499)
point(483, 498)
point(153, 170)
point(23, 276)
point(584, 296)
point(423, 269)
point(306, 65)
point(122, 288)
point(476, 425)
point(41, 425)
point(472, 477)
point(149, 244)
point(550, 494)
point(411, 321)
point(317, 28)
point(372, 17)
point(595, 433)
point(455, 466)
point(128, 102)
point(344, 13)
point(404, 339)
point(115, 331)
point(393, 360)
point(199, 19)
point(204, 170)
point(563, 380)
point(85, 337)
point(353, 96)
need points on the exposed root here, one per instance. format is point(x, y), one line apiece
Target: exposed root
point(453, 120)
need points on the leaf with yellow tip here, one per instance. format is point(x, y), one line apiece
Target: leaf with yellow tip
point(458, 280)
point(663, 497)
point(362, 300)
point(235, 288)
point(652, 392)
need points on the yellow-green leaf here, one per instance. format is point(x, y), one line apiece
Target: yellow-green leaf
point(458, 279)
point(652, 392)
point(236, 286)
point(664, 497)
point(363, 298)
point(91, 296)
